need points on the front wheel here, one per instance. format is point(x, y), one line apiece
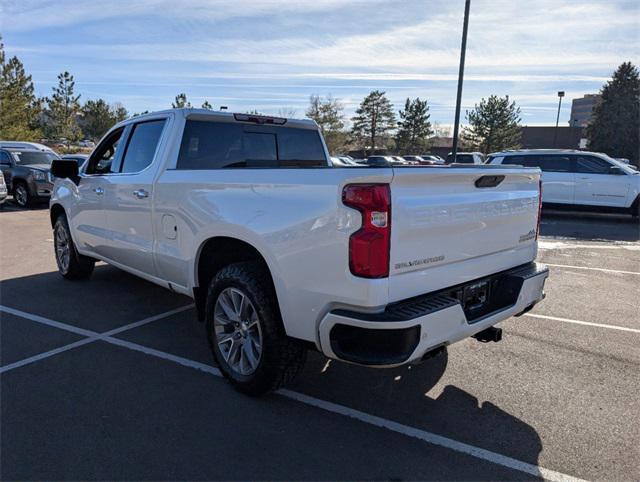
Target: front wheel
point(71, 264)
point(21, 195)
point(246, 333)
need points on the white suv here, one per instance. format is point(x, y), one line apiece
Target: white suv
point(578, 179)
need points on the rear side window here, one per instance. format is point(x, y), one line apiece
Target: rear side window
point(526, 161)
point(464, 159)
point(219, 145)
point(592, 165)
point(142, 146)
point(553, 163)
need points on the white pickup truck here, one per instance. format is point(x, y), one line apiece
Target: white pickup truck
point(283, 252)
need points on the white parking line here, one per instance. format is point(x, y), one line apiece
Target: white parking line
point(46, 354)
point(47, 321)
point(557, 244)
point(91, 336)
point(586, 323)
point(151, 319)
point(604, 270)
point(406, 430)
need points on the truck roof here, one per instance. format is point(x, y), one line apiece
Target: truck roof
point(225, 116)
point(535, 151)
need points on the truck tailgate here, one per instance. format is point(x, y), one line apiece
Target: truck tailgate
point(447, 228)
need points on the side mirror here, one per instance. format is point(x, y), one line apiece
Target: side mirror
point(64, 168)
point(615, 170)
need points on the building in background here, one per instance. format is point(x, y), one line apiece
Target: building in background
point(542, 137)
point(581, 110)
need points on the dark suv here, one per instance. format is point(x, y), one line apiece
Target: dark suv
point(27, 174)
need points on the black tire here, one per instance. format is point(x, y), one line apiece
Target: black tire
point(21, 195)
point(75, 266)
point(282, 358)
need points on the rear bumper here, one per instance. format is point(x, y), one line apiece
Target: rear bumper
point(408, 330)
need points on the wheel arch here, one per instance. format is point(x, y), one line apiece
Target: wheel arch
point(54, 211)
point(214, 254)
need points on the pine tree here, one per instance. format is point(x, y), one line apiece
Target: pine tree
point(19, 107)
point(494, 125)
point(181, 101)
point(64, 106)
point(328, 114)
point(118, 112)
point(373, 120)
point(414, 128)
point(206, 105)
point(98, 117)
point(615, 125)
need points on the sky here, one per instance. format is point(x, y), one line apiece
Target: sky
point(271, 55)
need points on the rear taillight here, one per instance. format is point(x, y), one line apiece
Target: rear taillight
point(369, 246)
point(539, 207)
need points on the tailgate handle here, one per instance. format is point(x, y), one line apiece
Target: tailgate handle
point(489, 181)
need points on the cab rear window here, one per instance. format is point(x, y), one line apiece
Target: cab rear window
point(220, 145)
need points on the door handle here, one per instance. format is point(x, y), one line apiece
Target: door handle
point(140, 193)
point(583, 178)
point(98, 190)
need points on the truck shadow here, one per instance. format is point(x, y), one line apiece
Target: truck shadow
point(589, 226)
point(414, 396)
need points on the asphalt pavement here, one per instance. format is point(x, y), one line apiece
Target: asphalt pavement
point(112, 379)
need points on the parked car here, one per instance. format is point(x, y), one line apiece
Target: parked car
point(87, 143)
point(3, 190)
point(25, 146)
point(27, 174)
point(79, 158)
point(435, 159)
point(348, 160)
point(466, 158)
point(381, 161)
point(579, 179)
point(341, 162)
point(378, 161)
point(373, 266)
point(418, 160)
point(400, 160)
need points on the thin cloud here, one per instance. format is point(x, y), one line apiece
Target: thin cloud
point(259, 52)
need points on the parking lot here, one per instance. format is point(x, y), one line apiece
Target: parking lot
point(113, 379)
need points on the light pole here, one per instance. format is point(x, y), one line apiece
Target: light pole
point(555, 132)
point(463, 50)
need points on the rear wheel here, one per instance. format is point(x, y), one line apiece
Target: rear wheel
point(71, 264)
point(245, 331)
point(21, 195)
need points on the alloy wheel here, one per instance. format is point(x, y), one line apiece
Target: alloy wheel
point(63, 249)
point(237, 331)
point(21, 196)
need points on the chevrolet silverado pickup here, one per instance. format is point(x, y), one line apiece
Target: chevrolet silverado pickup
point(284, 252)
